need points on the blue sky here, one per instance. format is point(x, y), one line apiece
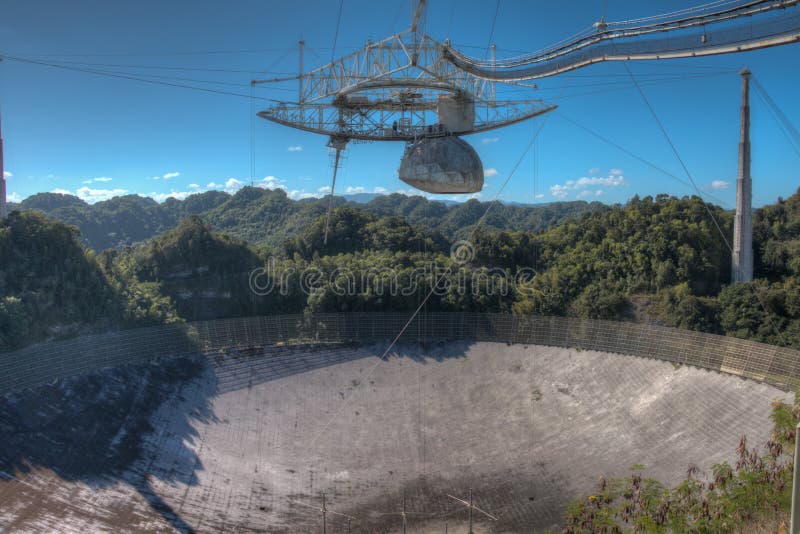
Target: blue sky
point(98, 136)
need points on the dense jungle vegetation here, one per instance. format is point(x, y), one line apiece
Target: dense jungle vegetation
point(659, 260)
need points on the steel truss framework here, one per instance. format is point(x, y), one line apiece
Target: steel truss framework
point(389, 91)
point(705, 30)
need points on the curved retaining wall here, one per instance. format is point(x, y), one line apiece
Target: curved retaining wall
point(45, 362)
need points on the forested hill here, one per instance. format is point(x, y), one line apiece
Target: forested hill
point(657, 260)
point(268, 217)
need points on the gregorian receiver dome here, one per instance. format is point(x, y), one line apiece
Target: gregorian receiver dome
point(442, 165)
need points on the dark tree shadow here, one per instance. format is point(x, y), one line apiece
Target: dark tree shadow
point(91, 428)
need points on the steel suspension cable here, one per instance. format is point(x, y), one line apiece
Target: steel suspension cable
point(634, 155)
point(675, 151)
point(494, 22)
point(336, 33)
point(785, 124)
point(137, 78)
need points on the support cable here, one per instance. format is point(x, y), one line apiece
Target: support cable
point(252, 135)
point(494, 21)
point(336, 33)
point(635, 156)
point(330, 197)
point(452, 14)
point(605, 9)
point(785, 124)
point(164, 67)
point(139, 79)
point(675, 152)
point(161, 53)
point(338, 149)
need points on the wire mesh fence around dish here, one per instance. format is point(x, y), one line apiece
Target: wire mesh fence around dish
point(45, 362)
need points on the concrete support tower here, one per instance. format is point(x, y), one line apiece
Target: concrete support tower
point(742, 259)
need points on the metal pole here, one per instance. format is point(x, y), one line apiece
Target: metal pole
point(794, 527)
point(494, 63)
point(324, 511)
point(330, 198)
point(404, 512)
point(470, 511)
point(300, 98)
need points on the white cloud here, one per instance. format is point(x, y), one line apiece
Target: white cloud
point(559, 191)
point(538, 195)
point(232, 185)
point(616, 172)
point(14, 197)
point(271, 182)
point(156, 177)
point(325, 189)
point(610, 181)
point(410, 192)
point(93, 195)
point(720, 184)
point(7, 174)
point(354, 190)
point(161, 197)
point(169, 175)
point(594, 170)
point(296, 148)
point(491, 171)
point(100, 179)
point(300, 194)
point(489, 140)
point(194, 186)
point(582, 185)
point(464, 197)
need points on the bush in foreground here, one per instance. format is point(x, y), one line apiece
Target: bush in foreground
point(754, 493)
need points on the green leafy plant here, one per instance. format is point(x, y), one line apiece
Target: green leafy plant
point(732, 499)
